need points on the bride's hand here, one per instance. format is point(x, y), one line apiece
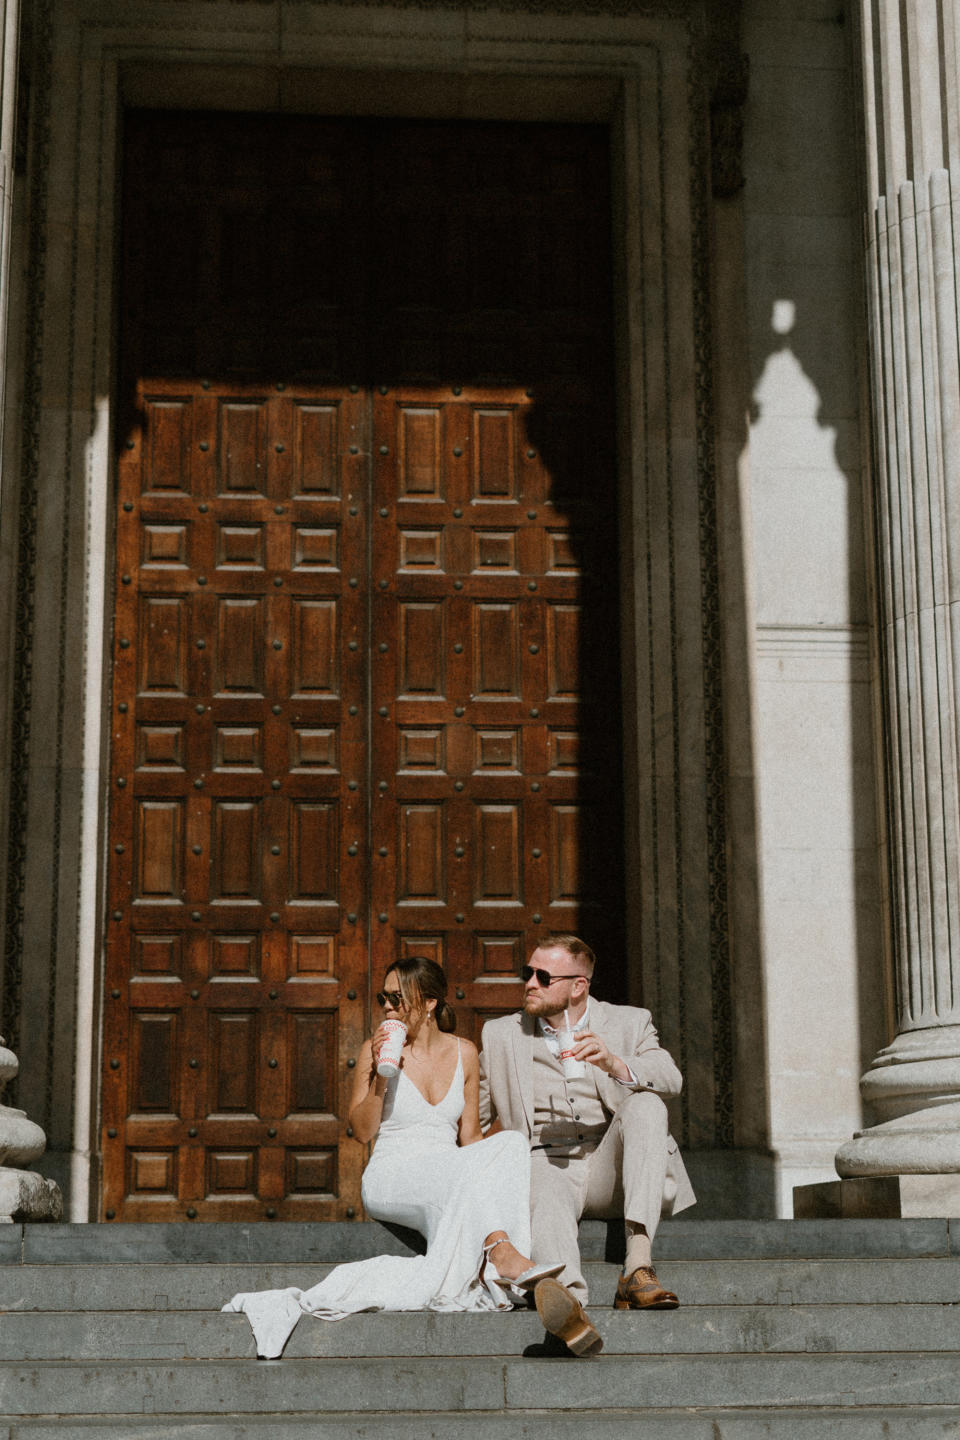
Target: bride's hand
point(378, 1041)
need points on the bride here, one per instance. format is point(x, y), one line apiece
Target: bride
point(430, 1170)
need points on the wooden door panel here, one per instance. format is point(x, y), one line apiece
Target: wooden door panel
point(365, 621)
point(478, 591)
point(231, 957)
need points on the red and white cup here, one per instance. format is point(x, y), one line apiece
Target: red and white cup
point(573, 1069)
point(388, 1061)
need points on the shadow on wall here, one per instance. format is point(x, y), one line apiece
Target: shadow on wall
point(810, 522)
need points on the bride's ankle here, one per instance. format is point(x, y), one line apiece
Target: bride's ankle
point(506, 1258)
point(516, 1267)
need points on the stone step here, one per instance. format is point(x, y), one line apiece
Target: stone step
point(694, 1330)
point(197, 1286)
point(288, 1241)
point(926, 1423)
point(306, 1387)
point(804, 1330)
point(932, 1422)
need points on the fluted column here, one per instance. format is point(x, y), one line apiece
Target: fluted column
point(911, 93)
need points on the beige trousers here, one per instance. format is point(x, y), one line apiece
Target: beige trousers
point(624, 1175)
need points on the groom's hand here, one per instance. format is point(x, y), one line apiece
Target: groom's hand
point(591, 1048)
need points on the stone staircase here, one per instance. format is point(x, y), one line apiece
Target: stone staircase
point(803, 1329)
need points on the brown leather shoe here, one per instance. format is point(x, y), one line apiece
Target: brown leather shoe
point(562, 1315)
point(643, 1291)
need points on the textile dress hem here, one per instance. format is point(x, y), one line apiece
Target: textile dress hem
point(420, 1177)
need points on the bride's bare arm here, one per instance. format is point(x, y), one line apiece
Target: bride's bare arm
point(470, 1119)
point(369, 1088)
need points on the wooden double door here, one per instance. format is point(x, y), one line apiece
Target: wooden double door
point(365, 698)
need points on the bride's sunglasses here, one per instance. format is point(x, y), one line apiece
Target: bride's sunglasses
point(393, 998)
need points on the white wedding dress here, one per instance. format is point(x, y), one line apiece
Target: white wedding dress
point(420, 1177)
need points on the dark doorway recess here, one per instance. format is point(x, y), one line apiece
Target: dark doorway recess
point(366, 678)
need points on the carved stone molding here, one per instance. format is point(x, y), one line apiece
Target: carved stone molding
point(726, 128)
point(711, 621)
point(533, 7)
point(41, 43)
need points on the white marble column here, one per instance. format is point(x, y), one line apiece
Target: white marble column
point(911, 68)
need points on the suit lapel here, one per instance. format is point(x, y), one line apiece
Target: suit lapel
point(523, 1067)
point(610, 1092)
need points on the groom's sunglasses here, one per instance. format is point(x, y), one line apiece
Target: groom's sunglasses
point(544, 978)
point(393, 998)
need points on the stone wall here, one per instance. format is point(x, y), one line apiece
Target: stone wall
point(638, 70)
point(808, 479)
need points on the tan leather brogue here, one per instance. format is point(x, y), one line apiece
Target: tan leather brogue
point(643, 1291)
point(562, 1315)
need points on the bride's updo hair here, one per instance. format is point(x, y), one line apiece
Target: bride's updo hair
point(420, 980)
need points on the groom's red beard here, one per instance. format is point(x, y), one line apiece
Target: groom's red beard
point(536, 1002)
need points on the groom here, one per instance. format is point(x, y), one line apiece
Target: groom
point(599, 1144)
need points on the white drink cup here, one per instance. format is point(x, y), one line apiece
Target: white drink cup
point(388, 1063)
point(573, 1069)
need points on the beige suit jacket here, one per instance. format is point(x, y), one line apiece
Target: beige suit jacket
point(506, 1076)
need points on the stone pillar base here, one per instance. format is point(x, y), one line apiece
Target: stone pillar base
point(25, 1195)
point(924, 1142)
point(879, 1197)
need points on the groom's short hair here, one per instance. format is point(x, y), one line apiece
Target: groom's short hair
point(576, 948)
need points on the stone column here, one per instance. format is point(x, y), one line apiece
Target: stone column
point(911, 85)
point(24, 1195)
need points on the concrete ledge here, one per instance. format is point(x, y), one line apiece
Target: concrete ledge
point(307, 1386)
point(77, 1336)
point(11, 1244)
point(190, 1287)
point(272, 1242)
point(238, 1243)
point(802, 1239)
point(931, 1422)
point(879, 1197)
point(732, 1184)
